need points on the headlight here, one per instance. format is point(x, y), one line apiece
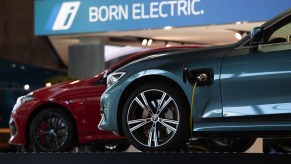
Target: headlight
point(23, 99)
point(26, 98)
point(114, 77)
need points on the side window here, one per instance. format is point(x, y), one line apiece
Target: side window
point(280, 35)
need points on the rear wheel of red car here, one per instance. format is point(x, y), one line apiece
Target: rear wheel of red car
point(51, 130)
point(155, 118)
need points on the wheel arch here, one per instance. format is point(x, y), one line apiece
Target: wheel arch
point(45, 106)
point(135, 84)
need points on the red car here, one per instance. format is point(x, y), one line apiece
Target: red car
point(66, 115)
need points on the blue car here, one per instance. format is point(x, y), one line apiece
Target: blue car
point(225, 96)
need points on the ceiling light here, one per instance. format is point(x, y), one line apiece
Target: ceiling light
point(48, 84)
point(238, 35)
point(26, 87)
point(150, 42)
point(167, 44)
point(168, 27)
point(144, 42)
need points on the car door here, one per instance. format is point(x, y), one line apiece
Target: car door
point(256, 80)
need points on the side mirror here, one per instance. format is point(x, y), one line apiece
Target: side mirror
point(256, 36)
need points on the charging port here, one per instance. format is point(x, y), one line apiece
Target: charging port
point(203, 76)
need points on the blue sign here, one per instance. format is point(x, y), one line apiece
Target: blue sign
point(87, 16)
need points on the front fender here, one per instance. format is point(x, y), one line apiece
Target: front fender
point(207, 102)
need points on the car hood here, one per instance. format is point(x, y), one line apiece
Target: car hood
point(64, 86)
point(179, 58)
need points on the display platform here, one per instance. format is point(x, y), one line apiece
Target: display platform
point(143, 158)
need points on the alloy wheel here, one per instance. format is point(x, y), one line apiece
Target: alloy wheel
point(153, 118)
point(51, 131)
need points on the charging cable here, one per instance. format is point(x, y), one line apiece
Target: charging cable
point(201, 78)
point(192, 105)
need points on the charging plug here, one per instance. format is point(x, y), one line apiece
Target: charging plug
point(202, 77)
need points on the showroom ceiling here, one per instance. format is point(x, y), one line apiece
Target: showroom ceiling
point(209, 35)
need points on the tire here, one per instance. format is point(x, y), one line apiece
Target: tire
point(109, 146)
point(151, 129)
point(229, 144)
point(51, 130)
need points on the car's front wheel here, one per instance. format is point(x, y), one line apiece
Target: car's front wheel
point(51, 130)
point(155, 118)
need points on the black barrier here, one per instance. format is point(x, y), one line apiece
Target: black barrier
point(142, 158)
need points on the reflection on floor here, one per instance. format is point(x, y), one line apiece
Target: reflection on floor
point(260, 146)
point(256, 148)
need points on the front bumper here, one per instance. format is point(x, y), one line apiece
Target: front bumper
point(108, 110)
point(17, 124)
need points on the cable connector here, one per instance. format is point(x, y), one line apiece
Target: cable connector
point(202, 77)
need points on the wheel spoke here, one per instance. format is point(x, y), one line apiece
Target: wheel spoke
point(150, 137)
point(138, 121)
point(170, 121)
point(60, 127)
point(61, 135)
point(162, 100)
point(164, 105)
point(146, 103)
point(167, 126)
point(45, 123)
point(143, 107)
point(58, 141)
point(153, 136)
point(58, 121)
point(139, 125)
point(41, 135)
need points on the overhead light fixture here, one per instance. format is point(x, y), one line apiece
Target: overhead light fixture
point(168, 27)
point(239, 35)
point(150, 42)
point(144, 42)
point(241, 22)
point(26, 87)
point(48, 84)
point(167, 44)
